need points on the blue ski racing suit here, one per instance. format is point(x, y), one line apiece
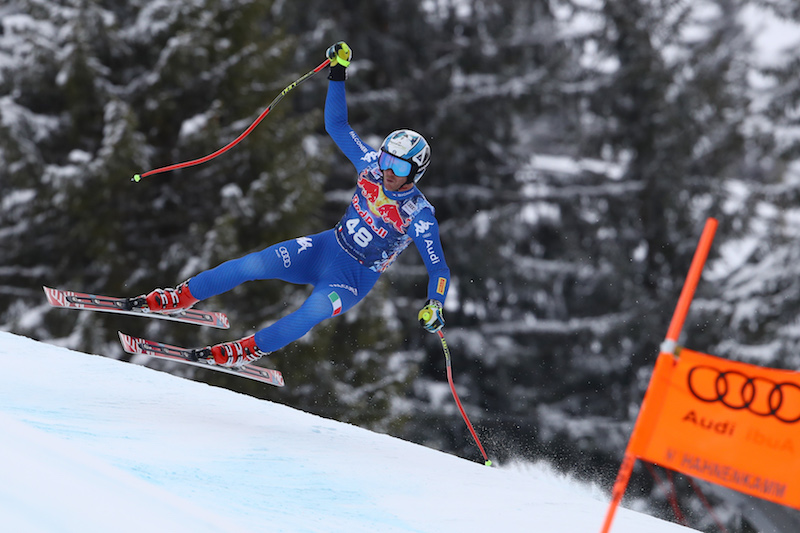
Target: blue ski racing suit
point(343, 263)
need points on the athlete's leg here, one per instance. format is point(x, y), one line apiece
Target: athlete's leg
point(294, 261)
point(324, 302)
point(344, 282)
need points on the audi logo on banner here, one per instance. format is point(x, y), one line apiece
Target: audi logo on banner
point(737, 391)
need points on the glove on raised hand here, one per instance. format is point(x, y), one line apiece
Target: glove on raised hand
point(430, 317)
point(340, 55)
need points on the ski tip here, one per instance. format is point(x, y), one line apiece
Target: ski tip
point(54, 296)
point(137, 178)
point(128, 343)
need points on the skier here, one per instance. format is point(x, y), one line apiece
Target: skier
point(387, 212)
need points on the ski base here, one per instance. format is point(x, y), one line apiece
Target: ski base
point(160, 350)
point(111, 304)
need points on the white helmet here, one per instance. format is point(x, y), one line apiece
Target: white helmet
point(410, 147)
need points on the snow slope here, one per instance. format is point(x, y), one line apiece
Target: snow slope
point(92, 444)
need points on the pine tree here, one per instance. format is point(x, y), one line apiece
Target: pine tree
point(749, 312)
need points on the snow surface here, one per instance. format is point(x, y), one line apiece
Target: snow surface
point(91, 444)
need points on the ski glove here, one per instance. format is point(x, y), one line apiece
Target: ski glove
point(340, 55)
point(430, 317)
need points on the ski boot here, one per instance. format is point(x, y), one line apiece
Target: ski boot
point(166, 301)
point(230, 354)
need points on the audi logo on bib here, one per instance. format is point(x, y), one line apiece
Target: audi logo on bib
point(738, 391)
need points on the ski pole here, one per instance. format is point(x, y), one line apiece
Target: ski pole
point(301, 79)
point(487, 462)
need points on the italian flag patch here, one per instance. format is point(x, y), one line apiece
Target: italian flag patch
point(336, 302)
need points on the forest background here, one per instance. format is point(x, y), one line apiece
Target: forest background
point(578, 148)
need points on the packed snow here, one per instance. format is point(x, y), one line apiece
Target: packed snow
point(92, 444)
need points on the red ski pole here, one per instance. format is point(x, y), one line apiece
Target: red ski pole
point(487, 462)
point(301, 79)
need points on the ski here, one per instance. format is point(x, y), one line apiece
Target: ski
point(139, 346)
point(111, 304)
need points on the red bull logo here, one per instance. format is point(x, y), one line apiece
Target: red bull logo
point(380, 205)
point(367, 218)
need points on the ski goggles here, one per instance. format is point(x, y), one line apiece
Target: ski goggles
point(400, 167)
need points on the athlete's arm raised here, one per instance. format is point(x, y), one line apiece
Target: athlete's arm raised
point(336, 122)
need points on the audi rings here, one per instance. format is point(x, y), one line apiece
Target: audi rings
point(737, 391)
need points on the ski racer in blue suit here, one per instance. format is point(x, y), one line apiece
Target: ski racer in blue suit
point(386, 214)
